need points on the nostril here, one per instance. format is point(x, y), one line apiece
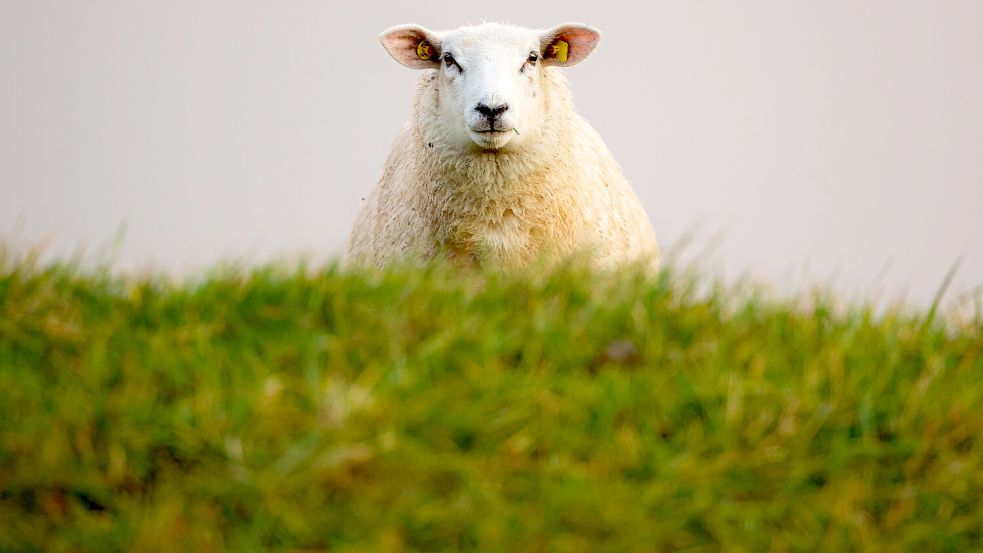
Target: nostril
point(491, 112)
point(500, 109)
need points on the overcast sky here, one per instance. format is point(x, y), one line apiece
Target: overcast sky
point(837, 141)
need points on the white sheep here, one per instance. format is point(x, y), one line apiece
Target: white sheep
point(495, 165)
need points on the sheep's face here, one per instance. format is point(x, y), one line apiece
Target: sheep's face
point(490, 89)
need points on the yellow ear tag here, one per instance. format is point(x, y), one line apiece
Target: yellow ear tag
point(560, 49)
point(424, 50)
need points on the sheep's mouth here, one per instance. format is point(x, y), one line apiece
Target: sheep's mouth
point(491, 139)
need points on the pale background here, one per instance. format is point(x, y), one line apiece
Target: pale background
point(838, 142)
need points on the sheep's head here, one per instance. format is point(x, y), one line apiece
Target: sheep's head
point(490, 77)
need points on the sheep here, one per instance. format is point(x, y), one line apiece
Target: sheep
point(495, 166)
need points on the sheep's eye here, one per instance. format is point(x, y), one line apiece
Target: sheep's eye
point(530, 61)
point(449, 60)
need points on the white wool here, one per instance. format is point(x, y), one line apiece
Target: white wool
point(535, 181)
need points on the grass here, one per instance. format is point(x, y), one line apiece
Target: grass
point(428, 410)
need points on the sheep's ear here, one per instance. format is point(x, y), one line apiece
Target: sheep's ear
point(412, 46)
point(568, 44)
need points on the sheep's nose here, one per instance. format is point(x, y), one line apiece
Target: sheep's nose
point(491, 112)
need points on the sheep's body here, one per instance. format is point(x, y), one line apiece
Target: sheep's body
point(560, 194)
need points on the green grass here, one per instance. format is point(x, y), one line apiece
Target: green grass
point(428, 410)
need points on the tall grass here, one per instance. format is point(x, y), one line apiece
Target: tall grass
point(423, 409)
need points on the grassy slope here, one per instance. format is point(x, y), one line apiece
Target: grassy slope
point(422, 410)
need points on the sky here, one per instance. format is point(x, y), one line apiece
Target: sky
point(837, 143)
